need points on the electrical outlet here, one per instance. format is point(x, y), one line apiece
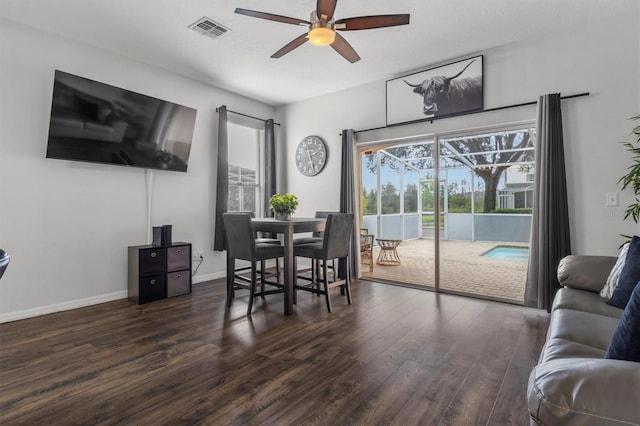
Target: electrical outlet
point(200, 254)
point(612, 199)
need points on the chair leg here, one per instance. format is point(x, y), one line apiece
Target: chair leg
point(252, 287)
point(231, 266)
point(347, 286)
point(295, 279)
point(326, 285)
point(262, 276)
point(315, 265)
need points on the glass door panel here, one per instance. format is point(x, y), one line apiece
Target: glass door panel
point(486, 183)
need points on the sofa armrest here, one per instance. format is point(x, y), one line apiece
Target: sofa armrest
point(584, 391)
point(588, 273)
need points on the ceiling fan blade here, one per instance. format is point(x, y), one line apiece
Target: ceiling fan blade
point(370, 22)
point(299, 41)
point(272, 17)
point(325, 9)
point(341, 46)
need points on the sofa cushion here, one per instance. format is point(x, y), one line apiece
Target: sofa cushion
point(578, 300)
point(629, 276)
point(582, 328)
point(585, 272)
point(625, 343)
point(614, 275)
point(579, 391)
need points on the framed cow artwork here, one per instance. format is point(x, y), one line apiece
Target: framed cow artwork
point(445, 91)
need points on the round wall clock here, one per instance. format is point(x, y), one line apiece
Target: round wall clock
point(311, 155)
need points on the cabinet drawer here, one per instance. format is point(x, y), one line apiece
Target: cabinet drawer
point(178, 283)
point(153, 260)
point(178, 257)
point(152, 287)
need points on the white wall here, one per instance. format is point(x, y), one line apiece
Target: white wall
point(601, 59)
point(66, 224)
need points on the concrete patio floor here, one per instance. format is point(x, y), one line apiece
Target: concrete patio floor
point(463, 269)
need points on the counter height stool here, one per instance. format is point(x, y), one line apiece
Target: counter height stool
point(259, 240)
point(241, 244)
point(316, 237)
point(334, 245)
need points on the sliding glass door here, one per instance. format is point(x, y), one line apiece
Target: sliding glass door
point(461, 212)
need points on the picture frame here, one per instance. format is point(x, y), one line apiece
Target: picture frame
point(445, 91)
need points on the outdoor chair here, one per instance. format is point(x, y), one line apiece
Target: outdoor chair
point(366, 248)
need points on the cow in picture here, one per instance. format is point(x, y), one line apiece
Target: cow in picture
point(449, 95)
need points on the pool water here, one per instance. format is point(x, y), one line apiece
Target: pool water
point(510, 253)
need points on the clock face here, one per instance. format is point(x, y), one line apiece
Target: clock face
point(311, 155)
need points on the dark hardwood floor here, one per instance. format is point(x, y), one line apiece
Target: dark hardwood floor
point(396, 356)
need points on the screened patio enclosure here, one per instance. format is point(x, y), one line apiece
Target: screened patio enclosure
point(476, 189)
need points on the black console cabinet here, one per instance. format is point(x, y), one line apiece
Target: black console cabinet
point(158, 272)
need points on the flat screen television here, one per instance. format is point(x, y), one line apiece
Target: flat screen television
point(96, 122)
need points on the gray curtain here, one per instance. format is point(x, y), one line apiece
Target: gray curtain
point(347, 199)
point(269, 165)
point(550, 239)
point(222, 182)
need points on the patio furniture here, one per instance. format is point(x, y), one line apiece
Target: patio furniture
point(366, 248)
point(335, 245)
point(388, 254)
point(241, 244)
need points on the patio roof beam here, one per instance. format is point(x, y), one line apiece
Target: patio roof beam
point(400, 160)
point(458, 155)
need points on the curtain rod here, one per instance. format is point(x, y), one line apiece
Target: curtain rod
point(422, 120)
point(248, 116)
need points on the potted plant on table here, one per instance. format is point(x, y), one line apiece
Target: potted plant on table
point(283, 205)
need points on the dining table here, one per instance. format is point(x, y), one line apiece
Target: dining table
point(287, 228)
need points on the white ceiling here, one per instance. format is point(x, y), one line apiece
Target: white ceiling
point(155, 32)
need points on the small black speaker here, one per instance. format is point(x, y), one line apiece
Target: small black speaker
point(157, 235)
point(166, 234)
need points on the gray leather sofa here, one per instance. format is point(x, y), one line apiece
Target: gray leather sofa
point(573, 384)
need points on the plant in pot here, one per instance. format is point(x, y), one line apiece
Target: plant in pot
point(283, 205)
point(632, 178)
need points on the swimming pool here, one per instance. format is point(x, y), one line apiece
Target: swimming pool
point(508, 252)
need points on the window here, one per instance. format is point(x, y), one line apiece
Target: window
point(246, 189)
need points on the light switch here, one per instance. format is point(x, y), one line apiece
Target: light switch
point(612, 199)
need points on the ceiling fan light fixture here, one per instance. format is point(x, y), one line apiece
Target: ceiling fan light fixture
point(321, 36)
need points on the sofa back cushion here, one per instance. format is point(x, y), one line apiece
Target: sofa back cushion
point(625, 342)
point(614, 275)
point(629, 276)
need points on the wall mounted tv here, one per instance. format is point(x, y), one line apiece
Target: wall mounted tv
point(96, 122)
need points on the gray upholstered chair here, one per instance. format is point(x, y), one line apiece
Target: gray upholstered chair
point(316, 237)
point(4, 261)
point(259, 240)
point(335, 245)
point(241, 244)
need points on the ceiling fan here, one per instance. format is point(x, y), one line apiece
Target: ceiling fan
point(322, 27)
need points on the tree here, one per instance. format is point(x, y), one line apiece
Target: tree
point(411, 198)
point(491, 156)
point(487, 155)
point(369, 202)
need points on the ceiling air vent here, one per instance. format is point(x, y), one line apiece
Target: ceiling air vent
point(209, 27)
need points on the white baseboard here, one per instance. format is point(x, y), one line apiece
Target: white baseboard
point(208, 277)
point(81, 303)
point(64, 306)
